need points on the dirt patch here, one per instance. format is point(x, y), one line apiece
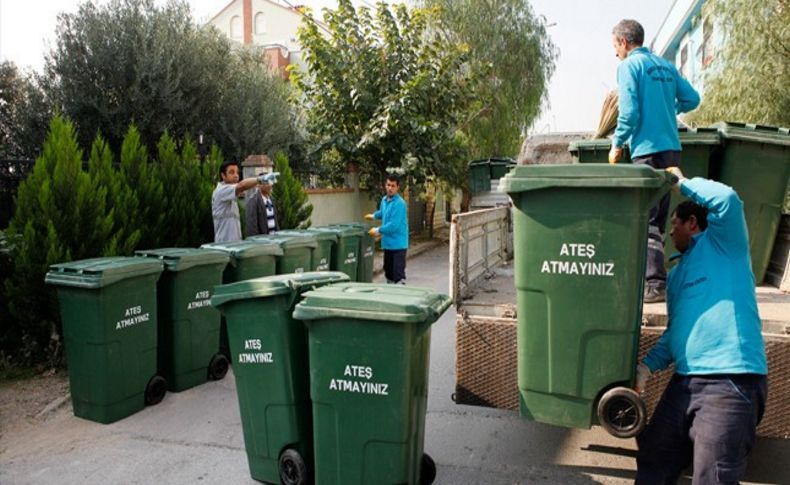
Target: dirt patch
point(23, 400)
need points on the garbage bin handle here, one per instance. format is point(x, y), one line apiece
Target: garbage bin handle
point(442, 305)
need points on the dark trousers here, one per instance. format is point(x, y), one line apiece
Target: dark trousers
point(709, 421)
point(395, 265)
point(656, 272)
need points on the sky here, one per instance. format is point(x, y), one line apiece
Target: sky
point(581, 29)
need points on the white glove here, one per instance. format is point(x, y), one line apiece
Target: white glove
point(642, 373)
point(268, 178)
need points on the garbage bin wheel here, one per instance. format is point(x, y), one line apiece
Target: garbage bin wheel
point(427, 470)
point(621, 411)
point(293, 469)
point(155, 390)
point(218, 367)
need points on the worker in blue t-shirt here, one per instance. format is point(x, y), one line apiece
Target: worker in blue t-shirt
point(709, 412)
point(651, 94)
point(394, 231)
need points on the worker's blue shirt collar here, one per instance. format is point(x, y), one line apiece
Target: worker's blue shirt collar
point(641, 50)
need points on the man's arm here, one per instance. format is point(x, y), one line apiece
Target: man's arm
point(628, 105)
point(687, 96)
point(659, 357)
point(726, 220)
point(245, 185)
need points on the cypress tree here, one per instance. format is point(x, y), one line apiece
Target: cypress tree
point(142, 179)
point(293, 208)
point(60, 216)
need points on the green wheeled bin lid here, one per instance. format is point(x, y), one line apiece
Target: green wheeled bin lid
point(600, 175)
point(249, 248)
point(343, 229)
point(287, 241)
point(100, 272)
point(181, 259)
point(698, 136)
point(754, 133)
point(373, 301)
point(274, 285)
point(318, 235)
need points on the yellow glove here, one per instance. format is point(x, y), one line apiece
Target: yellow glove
point(368, 217)
point(615, 154)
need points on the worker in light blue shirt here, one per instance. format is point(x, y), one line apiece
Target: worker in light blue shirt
point(709, 412)
point(394, 231)
point(651, 94)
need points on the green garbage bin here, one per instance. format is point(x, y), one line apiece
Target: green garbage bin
point(580, 233)
point(501, 166)
point(595, 151)
point(345, 255)
point(272, 374)
point(248, 259)
point(479, 176)
point(369, 353)
point(367, 252)
point(108, 310)
point(756, 163)
point(297, 254)
point(189, 327)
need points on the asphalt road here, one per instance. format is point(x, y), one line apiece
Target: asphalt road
point(195, 436)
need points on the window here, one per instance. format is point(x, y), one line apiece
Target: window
point(235, 27)
point(260, 23)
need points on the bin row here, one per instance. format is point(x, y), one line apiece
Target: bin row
point(752, 159)
point(135, 327)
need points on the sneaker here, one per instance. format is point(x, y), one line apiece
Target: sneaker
point(655, 295)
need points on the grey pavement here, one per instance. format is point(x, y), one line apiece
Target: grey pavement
point(195, 436)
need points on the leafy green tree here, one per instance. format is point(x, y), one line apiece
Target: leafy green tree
point(60, 216)
point(384, 92)
point(749, 77)
point(24, 113)
point(254, 115)
point(148, 63)
point(293, 208)
point(510, 48)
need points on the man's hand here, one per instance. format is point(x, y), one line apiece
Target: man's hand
point(615, 154)
point(268, 178)
point(369, 217)
point(374, 231)
point(677, 173)
point(642, 373)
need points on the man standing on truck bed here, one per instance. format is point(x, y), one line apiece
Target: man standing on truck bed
point(651, 93)
point(709, 412)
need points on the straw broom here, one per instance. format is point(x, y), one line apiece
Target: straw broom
point(609, 113)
